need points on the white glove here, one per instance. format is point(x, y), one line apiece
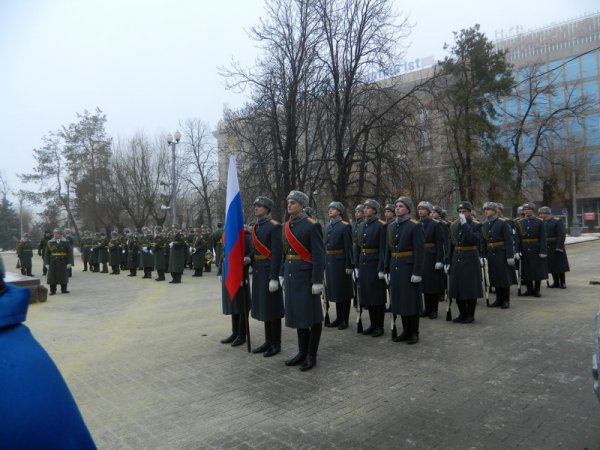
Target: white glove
point(191, 249)
point(145, 249)
point(560, 250)
point(69, 266)
point(317, 288)
point(447, 269)
point(482, 262)
point(439, 266)
point(220, 277)
point(247, 260)
point(92, 249)
point(542, 255)
point(387, 279)
point(348, 271)
point(123, 251)
point(273, 285)
point(170, 245)
point(151, 252)
point(510, 261)
point(415, 279)
point(47, 266)
point(381, 275)
point(356, 274)
point(462, 218)
point(281, 281)
point(517, 256)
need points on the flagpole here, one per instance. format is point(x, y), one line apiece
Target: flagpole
point(245, 304)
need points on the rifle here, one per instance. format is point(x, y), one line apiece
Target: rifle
point(325, 301)
point(357, 306)
point(486, 283)
point(448, 309)
point(519, 293)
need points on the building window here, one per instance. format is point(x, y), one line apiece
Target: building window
point(589, 65)
point(594, 165)
point(572, 70)
point(592, 130)
point(590, 90)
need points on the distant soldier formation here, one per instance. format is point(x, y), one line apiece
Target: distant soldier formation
point(397, 259)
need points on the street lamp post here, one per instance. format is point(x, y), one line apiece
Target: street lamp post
point(173, 142)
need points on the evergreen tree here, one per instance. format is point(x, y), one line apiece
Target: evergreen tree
point(9, 225)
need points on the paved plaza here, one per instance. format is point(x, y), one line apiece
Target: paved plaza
point(144, 362)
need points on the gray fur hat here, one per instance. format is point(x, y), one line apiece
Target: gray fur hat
point(529, 205)
point(437, 209)
point(310, 212)
point(338, 206)
point(298, 196)
point(373, 204)
point(406, 202)
point(264, 201)
point(465, 205)
point(428, 206)
point(491, 205)
point(360, 207)
point(389, 207)
point(545, 210)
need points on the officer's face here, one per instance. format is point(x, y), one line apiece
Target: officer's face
point(423, 212)
point(260, 211)
point(401, 209)
point(435, 215)
point(544, 215)
point(358, 215)
point(333, 213)
point(388, 214)
point(465, 212)
point(57, 235)
point(294, 208)
point(489, 212)
point(528, 212)
point(369, 212)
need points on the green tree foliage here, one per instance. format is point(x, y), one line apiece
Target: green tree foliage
point(476, 77)
point(9, 225)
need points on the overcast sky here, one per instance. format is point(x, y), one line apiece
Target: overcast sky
point(150, 63)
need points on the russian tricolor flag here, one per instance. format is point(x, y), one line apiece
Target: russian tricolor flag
point(233, 236)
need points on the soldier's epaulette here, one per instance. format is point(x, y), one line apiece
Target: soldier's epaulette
point(274, 222)
point(504, 219)
point(311, 220)
point(436, 220)
point(556, 218)
point(476, 221)
point(414, 221)
point(344, 222)
point(382, 222)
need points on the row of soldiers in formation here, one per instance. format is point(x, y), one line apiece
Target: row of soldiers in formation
point(164, 251)
point(409, 262)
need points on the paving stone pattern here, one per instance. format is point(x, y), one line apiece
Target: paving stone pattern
point(144, 362)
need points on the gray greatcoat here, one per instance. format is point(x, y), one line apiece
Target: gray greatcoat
point(302, 308)
point(555, 234)
point(465, 267)
point(532, 243)
point(338, 258)
point(267, 306)
point(368, 252)
point(433, 280)
point(57, 255)
point(498, 247)
point(404, 257)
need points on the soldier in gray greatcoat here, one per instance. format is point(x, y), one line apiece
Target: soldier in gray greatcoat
point(56, 259)
point(368, 254)
point(177, 254)
point(302, 273)
point(558, 263)
point(433, 266)
point(498, 251)
point(267, 299)
point(25, 254)
point(464, 263)
point(338, 265)
point(403, 267)
point(114, 249)
point(532, 249)
point(159, 250)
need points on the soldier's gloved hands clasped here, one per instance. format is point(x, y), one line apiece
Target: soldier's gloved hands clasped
point(273, 285)
point(510, 261)
point(317, 288)
point(543, 255)
point(247, 260)
point(415, 279)
point(462, 218)
point(439, 266)
point(381, 275)
point(348, 271)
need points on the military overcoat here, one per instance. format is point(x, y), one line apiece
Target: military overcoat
point(57, 256)
point(338, 258)
point(465, 267)
point(368, 253)
point(434, 253)
point(531, 244)
point(498, 246)
point(557, 255)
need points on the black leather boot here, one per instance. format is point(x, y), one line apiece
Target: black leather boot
point(405, 330)
point(372, 320)
point(303, 335)
point(235, 322)
point(414, 330)
point(313, 346)
point(275, 338)
point(267, 345)
point(470, 311)
point(461, 311)
point(63, 289)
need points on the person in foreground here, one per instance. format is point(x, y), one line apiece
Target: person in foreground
point(36, 407)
